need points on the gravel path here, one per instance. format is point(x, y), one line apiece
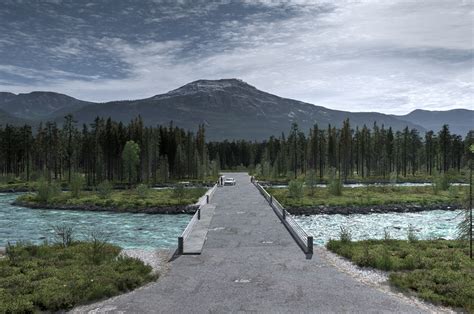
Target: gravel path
point(250, 263)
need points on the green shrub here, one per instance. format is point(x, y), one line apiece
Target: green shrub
point(42, 191)
point(436, 270)
point(142, 190)
point(411, 234)
point(104, 189)
point(98, 241)
point(65, 234)
point(179, 192)
point(334, 183)
point(311, 180)
point(440, 183)
point(345, 235)
point(384, 261)
point(295, 189)
point(393, 178)
point(47, 191)
point(76, 185)
point(51, 278)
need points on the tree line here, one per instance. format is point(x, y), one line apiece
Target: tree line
point(361, 152)
point(165, 153)
point(97, 152)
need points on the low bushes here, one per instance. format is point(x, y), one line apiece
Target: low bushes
point(142, 197)
point(368, 196)
point(439, 271)
point(57, 277)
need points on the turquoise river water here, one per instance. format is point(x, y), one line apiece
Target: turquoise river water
point(147, 232)
point(142, 231)
point(427, 225)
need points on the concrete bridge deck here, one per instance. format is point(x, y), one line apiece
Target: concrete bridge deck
point(250, 263)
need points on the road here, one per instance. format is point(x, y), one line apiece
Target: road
point(250, 263)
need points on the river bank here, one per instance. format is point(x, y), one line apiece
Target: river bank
point(373, 209)
point(170, 209)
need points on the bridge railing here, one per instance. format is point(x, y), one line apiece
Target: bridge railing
point(304, 240)
point(203, 200)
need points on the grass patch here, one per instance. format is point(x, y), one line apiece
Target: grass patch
point(53, 277)
point(439, 271)
point(368, 196)
point(123, 199)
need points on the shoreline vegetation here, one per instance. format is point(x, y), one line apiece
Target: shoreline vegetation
point(57, 277)
point(439, 271)
point(179, 200)
point(301, 200)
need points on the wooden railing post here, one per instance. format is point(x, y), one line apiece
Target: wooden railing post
point(310, 245)
point(180, 245)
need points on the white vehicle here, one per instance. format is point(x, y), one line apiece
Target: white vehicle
point(229, 181)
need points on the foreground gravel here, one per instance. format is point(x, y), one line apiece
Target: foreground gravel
point(157, 259)
point(375, 278)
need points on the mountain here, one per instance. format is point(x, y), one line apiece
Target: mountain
point(6, 118)
point(460, 121)
point(231, 109)
point(39, 105)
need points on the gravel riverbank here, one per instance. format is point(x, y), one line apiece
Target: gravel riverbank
point(157, 259)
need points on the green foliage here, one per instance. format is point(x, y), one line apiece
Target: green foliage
point(393, 177)
point(345, 235)
point(143, 190)
point(104, 189)
point(179, 191)
point(98, 247)
point(334, 183)
point(76, 185)
point(295, 189)
point(50, 278)
point(65, 234)
point(121, 200)
point(311, 181)
point(371, 196)
point(464, 231)
point(131, 159)
point(411, 234)
point(440, 183)
point(439, 271)
point(46, 191)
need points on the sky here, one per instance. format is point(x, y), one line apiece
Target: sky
point(367, 55)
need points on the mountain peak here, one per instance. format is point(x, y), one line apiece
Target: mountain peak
point(208, 86)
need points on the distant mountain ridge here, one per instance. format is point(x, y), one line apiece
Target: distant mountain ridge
point(460, 120)
point(39, 105)
point(229, 108)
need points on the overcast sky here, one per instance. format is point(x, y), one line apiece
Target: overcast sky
point(387, 56)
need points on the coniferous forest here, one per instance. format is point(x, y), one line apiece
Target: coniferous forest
point(170, 153)
point(353, 153)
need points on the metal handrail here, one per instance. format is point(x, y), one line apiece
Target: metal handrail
point(205, 199)
point(304, 240)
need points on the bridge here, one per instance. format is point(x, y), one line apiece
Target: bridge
point(249, 262)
